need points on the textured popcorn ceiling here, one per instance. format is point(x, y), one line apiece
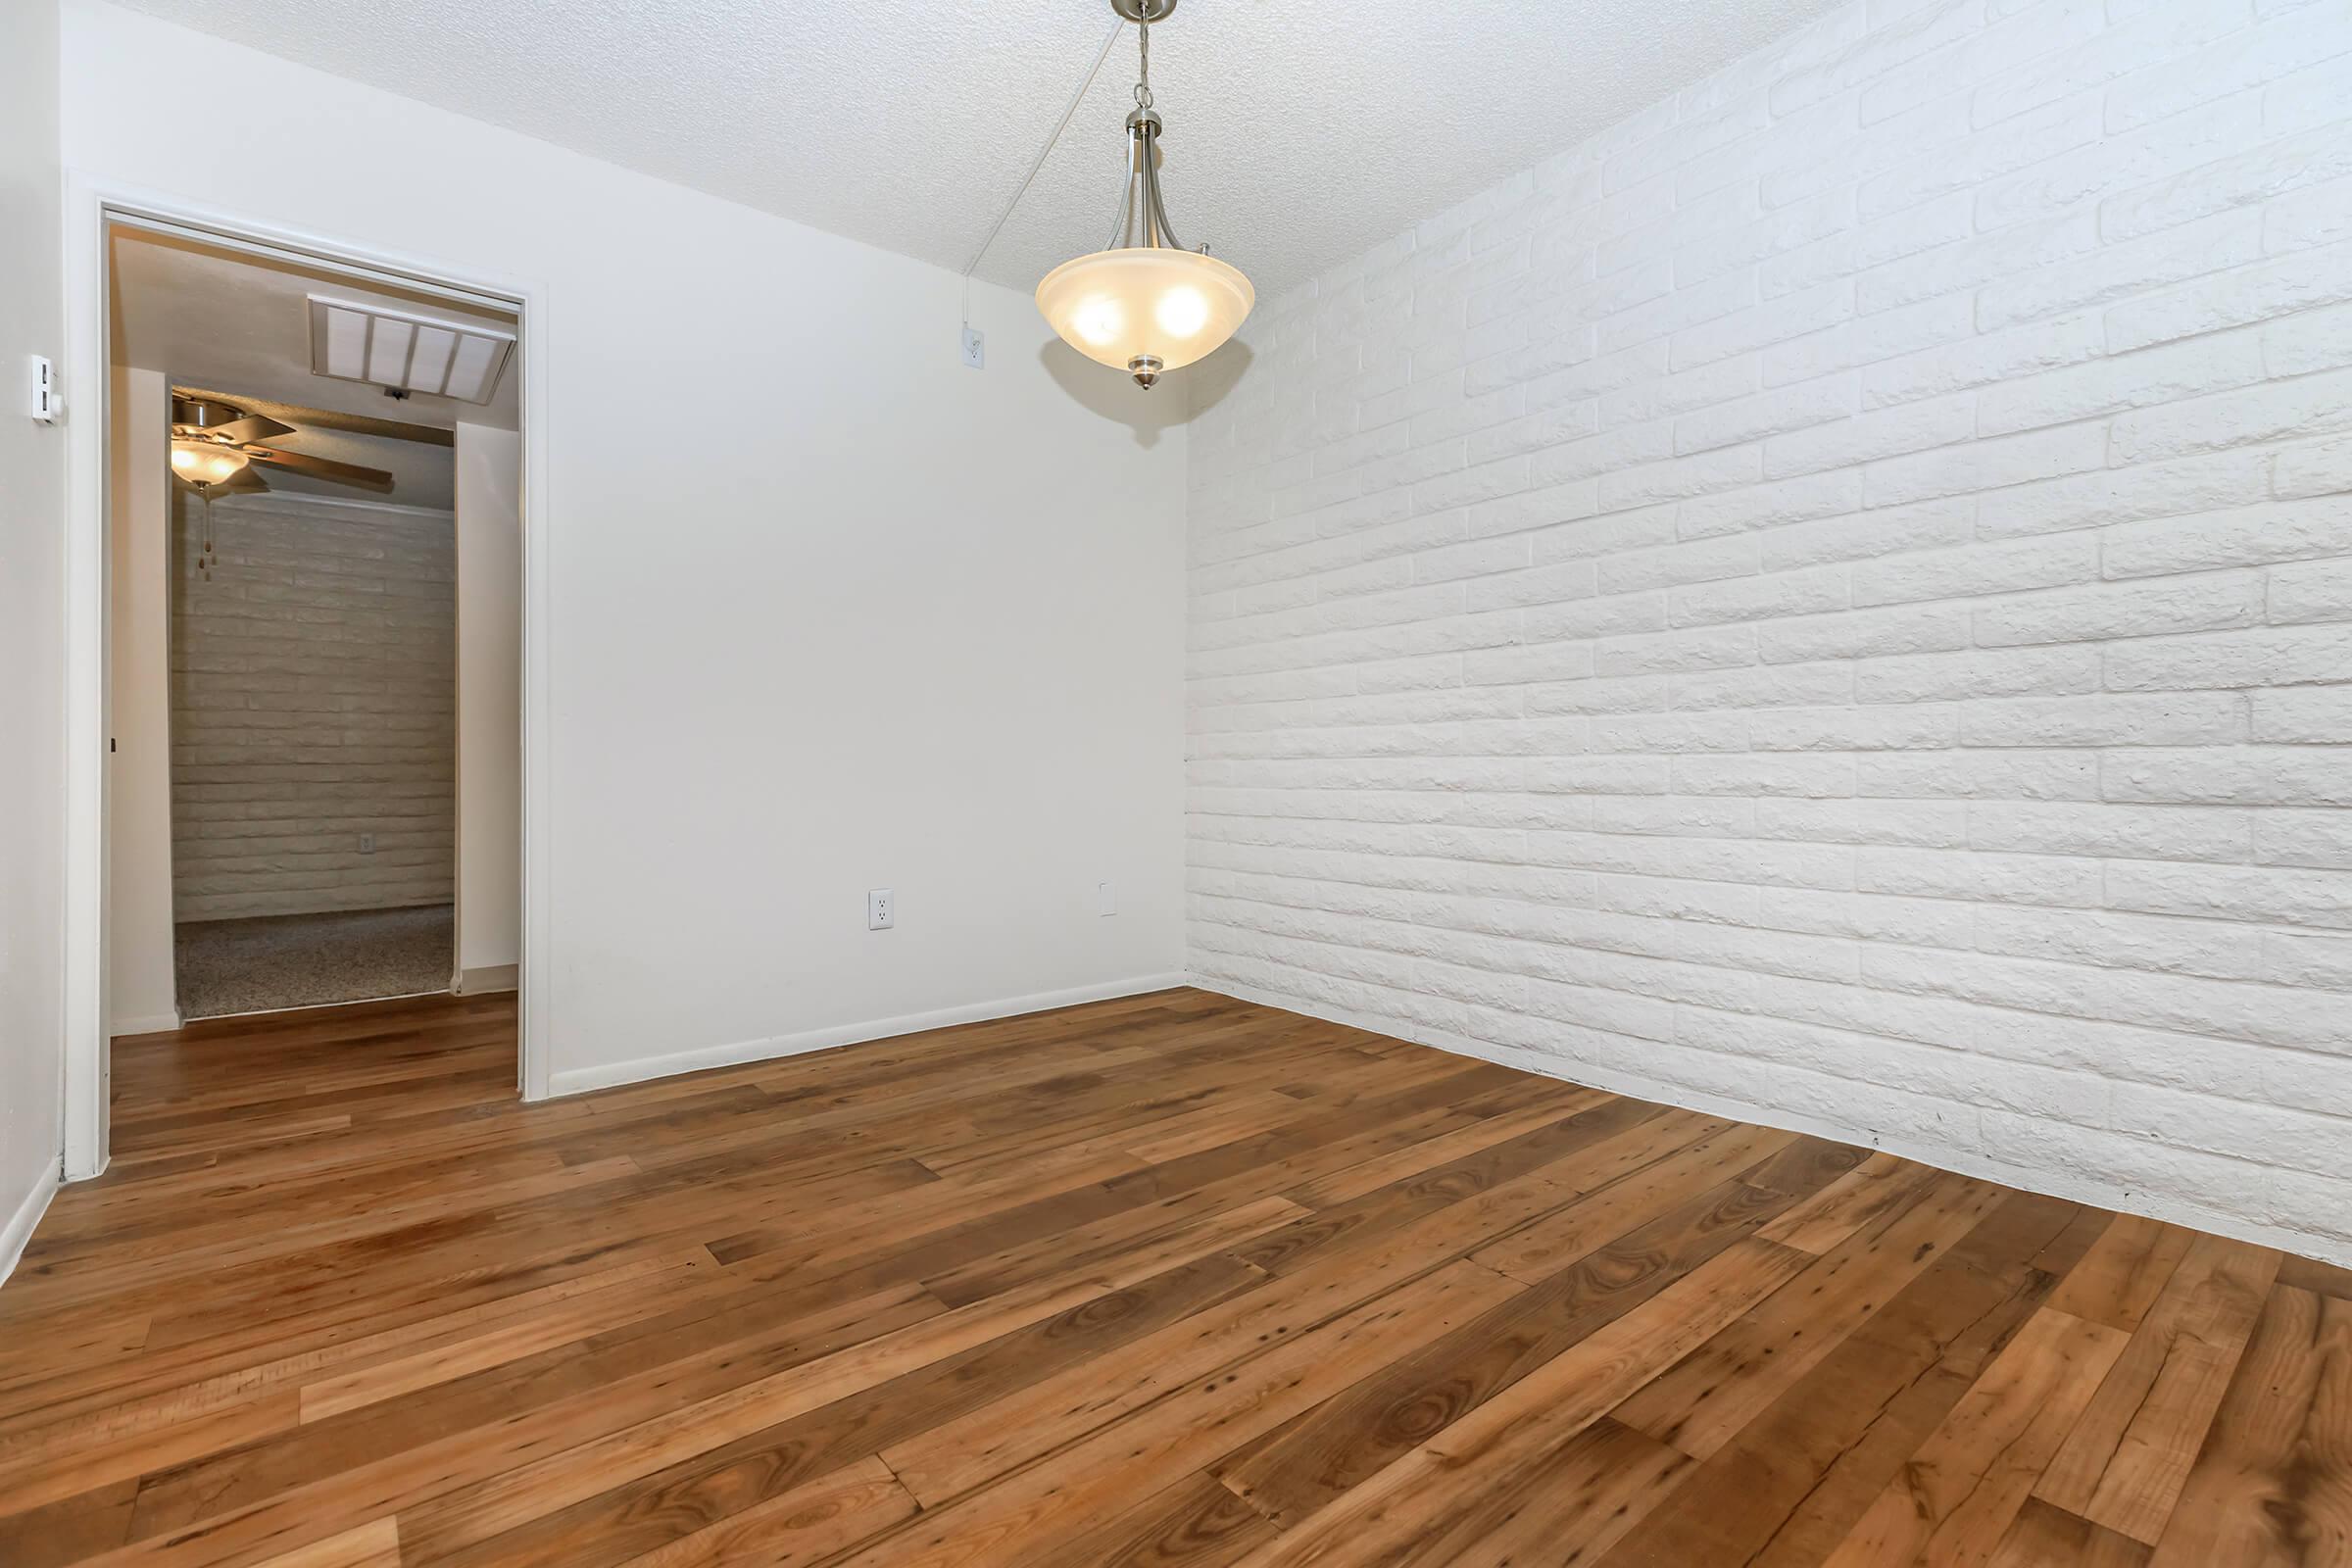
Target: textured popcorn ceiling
point(1298, 135)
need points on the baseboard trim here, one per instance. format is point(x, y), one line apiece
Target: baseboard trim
point(152, 1024)
point(487, 978)
point(2032, 1179)
point(582, 1080)
point(15, 1236)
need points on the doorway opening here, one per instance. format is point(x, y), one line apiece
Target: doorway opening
point(313, 696)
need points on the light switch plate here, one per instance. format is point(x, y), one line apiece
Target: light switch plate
point(42, 400)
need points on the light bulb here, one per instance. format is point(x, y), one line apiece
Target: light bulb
point(1099, 320)
point(1182, 312)
point(204, 461)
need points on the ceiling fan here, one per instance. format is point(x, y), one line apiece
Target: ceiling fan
point(214, 445)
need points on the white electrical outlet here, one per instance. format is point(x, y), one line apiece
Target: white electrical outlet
point(975, 348)
point(1107, 898)
point(881, 909)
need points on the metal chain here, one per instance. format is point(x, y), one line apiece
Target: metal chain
point(1142, 34)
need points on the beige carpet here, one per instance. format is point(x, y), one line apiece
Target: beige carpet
point(301, 960)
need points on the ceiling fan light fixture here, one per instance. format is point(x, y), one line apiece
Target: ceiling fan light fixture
point(218, 445)
point(206, 461)
point(1143, 303)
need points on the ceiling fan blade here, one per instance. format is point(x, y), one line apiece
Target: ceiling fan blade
point(321, 468)
point(328, 419)
point(252, 427)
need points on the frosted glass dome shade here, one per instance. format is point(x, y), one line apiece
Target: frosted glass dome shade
point(1146, 309)
point(204, 461)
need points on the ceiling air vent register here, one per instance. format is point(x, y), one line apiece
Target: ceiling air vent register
point(457, 359)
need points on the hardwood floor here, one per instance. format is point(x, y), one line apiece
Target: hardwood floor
point(1170, 1280)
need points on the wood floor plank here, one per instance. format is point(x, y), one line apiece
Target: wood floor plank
point(650, 1511)
point(1172, 1280)
point(1786, 1490)
point(1447, 1474)
point(1703, 1403)
point(1193, 1524)
point(2272, 1485)
point(1196, 1522)
point(1343, 1273)
point(83, 1526)
point(234, 1364)
point(2121, 1277)
point(1321, 1456)
point(384, 1456)
point(643, 1295)
point(805, 1525)
point(2047, 1537)
point(1574, 1504)
point(1523, 1178)
point(1960, 1494)
point(545, 1467)
point(1537, 1249)
point(1869, 1192)
point(53, 1470)
point(374, 1545)
point(1042, 1504)
point(2122, 1464)
point(1383, 1170)
point(587, 1469)
point(2310, 1274)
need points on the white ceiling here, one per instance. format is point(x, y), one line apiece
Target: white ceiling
point(1298, 135)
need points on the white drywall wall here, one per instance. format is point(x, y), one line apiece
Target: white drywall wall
point(489, 486)
point(140, 984)
point(827, 612)
point(32, 459)
point(1833, 601)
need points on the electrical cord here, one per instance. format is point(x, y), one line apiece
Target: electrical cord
point(1043, 153)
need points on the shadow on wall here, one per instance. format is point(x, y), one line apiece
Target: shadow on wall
point(1101, 390)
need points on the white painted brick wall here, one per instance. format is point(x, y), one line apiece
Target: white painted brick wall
point(313, 700)
point(1832, 599)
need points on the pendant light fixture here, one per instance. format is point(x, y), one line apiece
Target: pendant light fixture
point(1143, 303)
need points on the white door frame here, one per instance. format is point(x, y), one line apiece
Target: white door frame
point(90, 207)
